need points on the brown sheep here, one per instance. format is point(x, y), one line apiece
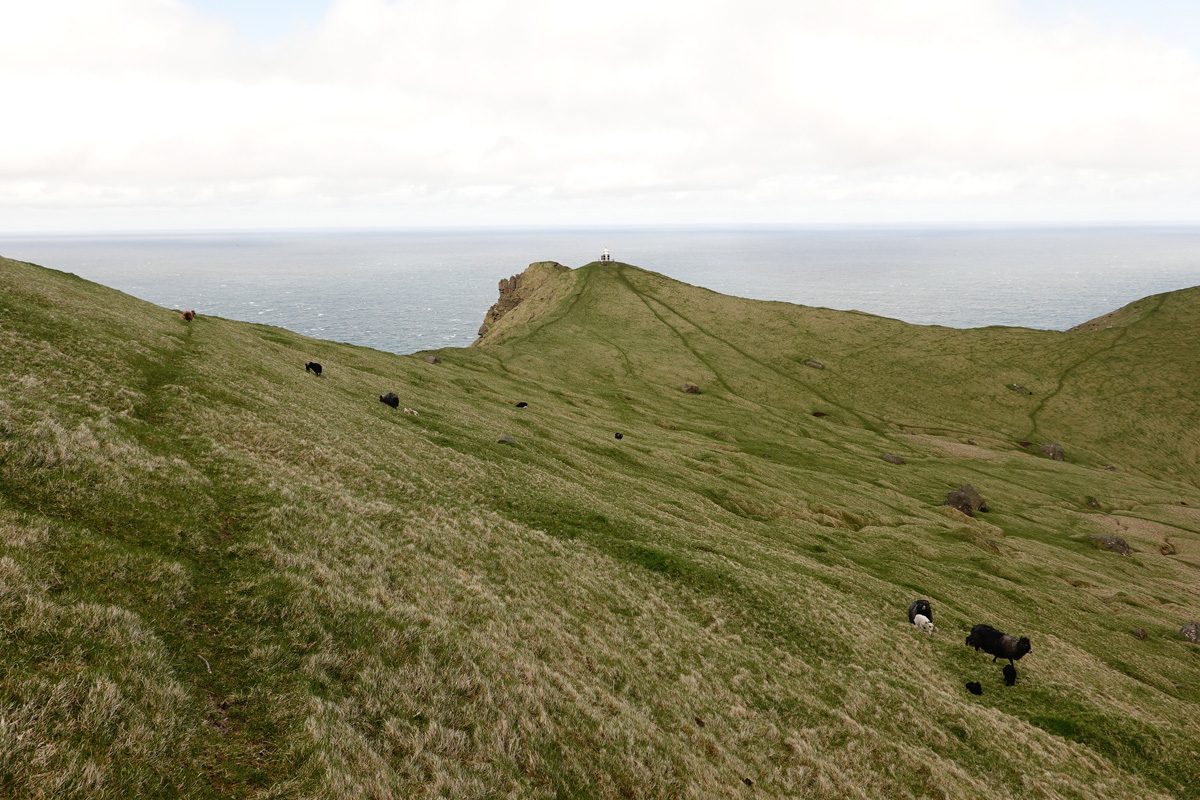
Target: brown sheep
point(997, 644)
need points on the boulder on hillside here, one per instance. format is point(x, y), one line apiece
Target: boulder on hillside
point(966, 500)
point(1191, 632)
point(1019, 389)
point(891, 459)
point(1054, 450)
point(506, 440)
point(814, 364)
point(432, 359)
point(1109, 542)
point(691, 388)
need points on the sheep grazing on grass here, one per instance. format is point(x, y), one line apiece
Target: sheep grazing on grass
point(1010, 675)
point(522, 404)
point(922, 622)
point(188, 316)
point(921, 607)
point(313, 367)
point(974, 688)
point(619, 436)
point(390, 399)
point(997, 644)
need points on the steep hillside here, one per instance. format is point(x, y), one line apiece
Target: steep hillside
point(223, 576)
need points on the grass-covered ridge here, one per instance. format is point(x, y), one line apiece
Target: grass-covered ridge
point(222, 576)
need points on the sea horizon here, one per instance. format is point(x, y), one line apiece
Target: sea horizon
point(407, 290)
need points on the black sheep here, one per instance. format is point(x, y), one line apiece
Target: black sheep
point(974, 688)
point(313, 367)
point(919, 607)
point(997, 644)
point(522, 404)
point(390, 399)
point(1010, 675)
point(620, 436)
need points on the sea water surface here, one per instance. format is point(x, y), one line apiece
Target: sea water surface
point(404, 291)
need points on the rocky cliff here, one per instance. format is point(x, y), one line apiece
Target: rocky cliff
point(517, 289)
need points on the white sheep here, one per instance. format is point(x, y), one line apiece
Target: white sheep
point(922, 622)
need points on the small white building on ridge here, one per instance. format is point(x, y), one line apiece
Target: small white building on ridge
point(605, 255)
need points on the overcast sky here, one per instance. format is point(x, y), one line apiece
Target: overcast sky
point(165, 114)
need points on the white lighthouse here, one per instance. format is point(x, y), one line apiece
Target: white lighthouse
point(605, 256)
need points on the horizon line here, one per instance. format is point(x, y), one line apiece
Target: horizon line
point(621, 227)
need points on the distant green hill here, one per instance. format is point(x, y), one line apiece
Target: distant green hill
point(222, 576)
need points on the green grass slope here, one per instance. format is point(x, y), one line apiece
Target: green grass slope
point(223, 577)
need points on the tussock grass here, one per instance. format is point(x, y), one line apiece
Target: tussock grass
point(222, 576)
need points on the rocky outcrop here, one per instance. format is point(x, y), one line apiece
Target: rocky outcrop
point(892, 459)
point(966, 500)
point(516, 289)
point(1108, 542)
point(1054, 450)
point(691, 388)
point(1191, 632)
point(509, 299)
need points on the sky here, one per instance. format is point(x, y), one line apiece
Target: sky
point(125, 115)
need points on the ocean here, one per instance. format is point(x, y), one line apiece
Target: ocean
point(404, 291)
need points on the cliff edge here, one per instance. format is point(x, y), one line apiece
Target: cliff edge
point(540, 279)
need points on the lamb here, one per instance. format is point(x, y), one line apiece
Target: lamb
point(922, 622)
point(919, 607)
point(188, 316)
point(997, 644)
point(390, 399)
point(313, 367)
point(1010, 675)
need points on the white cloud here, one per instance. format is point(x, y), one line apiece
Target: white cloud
point(146, 113)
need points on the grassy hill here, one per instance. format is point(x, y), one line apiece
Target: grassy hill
point(221, 576)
